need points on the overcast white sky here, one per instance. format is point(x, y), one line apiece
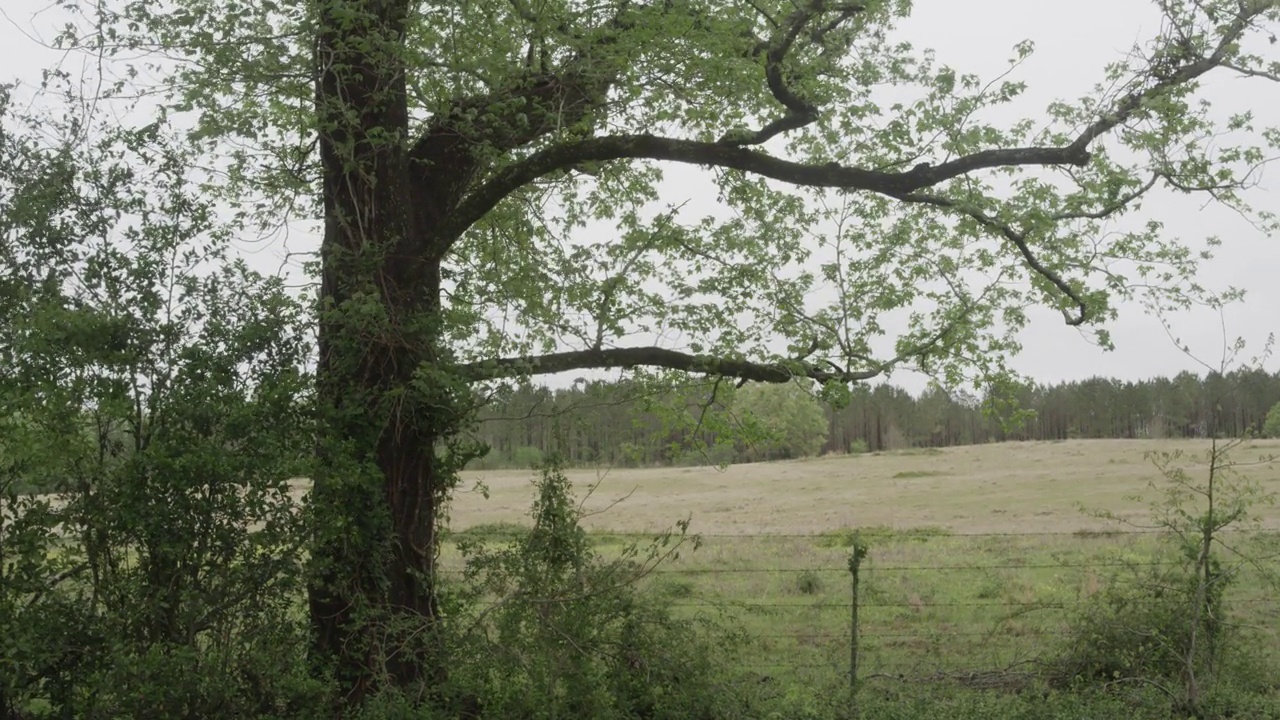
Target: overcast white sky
point(1074, 41)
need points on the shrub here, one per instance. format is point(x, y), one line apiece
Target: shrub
point(165, 395)
point(546, 627)
point(1141, 627)
point(808, 583)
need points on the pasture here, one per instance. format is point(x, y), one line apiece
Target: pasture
point(999, 488)
point(980, 556)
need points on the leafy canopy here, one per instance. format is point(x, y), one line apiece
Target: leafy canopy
point(872, 210)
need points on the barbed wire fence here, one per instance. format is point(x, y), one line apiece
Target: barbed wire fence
point(906, 606)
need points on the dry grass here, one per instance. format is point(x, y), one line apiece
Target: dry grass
point(991, 560)
point(1010, 487)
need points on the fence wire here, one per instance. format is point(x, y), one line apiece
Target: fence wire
point(920, 612)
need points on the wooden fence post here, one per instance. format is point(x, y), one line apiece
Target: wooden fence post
point(859, 552)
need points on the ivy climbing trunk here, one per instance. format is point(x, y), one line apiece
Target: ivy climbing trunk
point(379, 482)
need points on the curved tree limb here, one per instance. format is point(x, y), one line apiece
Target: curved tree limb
point(655, 357)
point(1247, 72)
point(1183, 71)
point(536, 102)
point(1112, 207)
point(800, 111)
point(741, 369)
point(693, 152)
point(731, 155)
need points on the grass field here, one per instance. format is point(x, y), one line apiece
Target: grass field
point(1004, 488)
point(979, 556)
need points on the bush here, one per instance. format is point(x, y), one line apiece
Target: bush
point(546, 627)
point(924, 703)
point(808, 583)
point(1140, 628)
point(859, 447)
point(165, 395)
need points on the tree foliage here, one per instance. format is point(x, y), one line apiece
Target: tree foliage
point(456, 152)
point(160, 390)
point(561, 114)
point(1271, 426)
point(785, 421)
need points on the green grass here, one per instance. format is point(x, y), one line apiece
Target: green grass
point(931, 603)
point(976, 571)
point(978, 568)
point(1011, 487)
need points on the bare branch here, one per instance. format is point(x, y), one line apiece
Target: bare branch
point(1182, 71)
point(1248, 72)
point(54, 581)
point(1111, 208)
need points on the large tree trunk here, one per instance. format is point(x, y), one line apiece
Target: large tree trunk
point(379, 483)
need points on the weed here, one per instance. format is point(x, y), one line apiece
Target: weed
point(808, 583)
point(675, 589)
point(908, 474)
point(1094, 534)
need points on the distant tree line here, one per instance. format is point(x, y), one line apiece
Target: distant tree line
point(622, 425)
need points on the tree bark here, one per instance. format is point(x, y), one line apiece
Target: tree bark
point(378, 483)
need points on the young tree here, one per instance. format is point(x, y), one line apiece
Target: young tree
point(1271, 426)
point(785, 419)
point(453, 148)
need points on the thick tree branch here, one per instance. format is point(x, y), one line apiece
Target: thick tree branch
point(655, 357)
point(744, 370)
point(831, 175)
point(535, 103)
point(729, 154)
